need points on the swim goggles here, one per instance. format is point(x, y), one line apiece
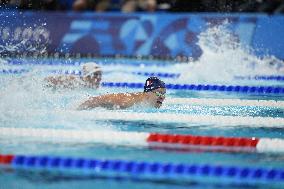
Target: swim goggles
point(95, 75)
point(159, 94)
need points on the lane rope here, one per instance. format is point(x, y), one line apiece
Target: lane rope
point(143, 139)
point(78, 72)
point(202, 87)
point(261, 77)
point(64, 62)
point(224, 102)
point(158, 74)
point(147, 170)
point(148, 74)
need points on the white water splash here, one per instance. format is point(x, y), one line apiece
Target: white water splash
point(225, 57)
point(21, 95)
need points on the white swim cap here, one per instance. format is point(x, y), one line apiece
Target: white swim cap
point(90, 68)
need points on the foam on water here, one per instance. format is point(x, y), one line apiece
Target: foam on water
point(225, 57)
point(22, 96)
point(22, 93)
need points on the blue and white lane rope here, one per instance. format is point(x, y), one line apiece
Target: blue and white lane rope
point(202, 87)
point(14, 71)
point(78, 72)
point(147, 170)
point(261, 77)
point(158, 74)
point(147, 74)
point(176, 75)
point(70, 62)
point(61, 71)
point(143, 139)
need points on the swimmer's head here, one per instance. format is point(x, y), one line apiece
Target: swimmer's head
point(156, 91)
point(89, 68)
point(153, 83)
point(92, 73)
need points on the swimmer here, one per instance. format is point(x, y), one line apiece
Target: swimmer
point(153, 96)
point(91, 78)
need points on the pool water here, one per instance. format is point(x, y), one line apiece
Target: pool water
point(25, 103)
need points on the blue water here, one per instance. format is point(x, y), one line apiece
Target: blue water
point(22, 95)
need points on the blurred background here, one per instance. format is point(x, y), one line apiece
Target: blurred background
point(139, 28)
point(266, 6)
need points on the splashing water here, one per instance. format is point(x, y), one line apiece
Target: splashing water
point(21, 97)
point(23, 92)
point(30, 41)
point(16, 38)
point(225, 57)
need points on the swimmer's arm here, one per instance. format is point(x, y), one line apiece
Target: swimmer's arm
point(117, 101)
point(105, 101)
point(92, 102)
point(53, 81)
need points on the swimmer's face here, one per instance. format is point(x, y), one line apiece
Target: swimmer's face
point(157, 97)
point(94, 79)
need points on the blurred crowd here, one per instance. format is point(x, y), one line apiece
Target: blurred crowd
point(268, 6)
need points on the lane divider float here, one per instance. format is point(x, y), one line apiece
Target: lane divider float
point(143, 139)
point(158, 74)
point(20, 71)
point(201, 87)
point(13, 71)
point(147, 170)
point(261, 77)
point(70, 62)
point(78, 72)
point(148, 74)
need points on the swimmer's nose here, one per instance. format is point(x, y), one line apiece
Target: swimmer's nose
point(162, 98)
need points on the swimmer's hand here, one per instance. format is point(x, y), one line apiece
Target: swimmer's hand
point(89, 104)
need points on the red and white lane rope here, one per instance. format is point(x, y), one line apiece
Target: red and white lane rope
point(225, 102)
point(139, 139)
